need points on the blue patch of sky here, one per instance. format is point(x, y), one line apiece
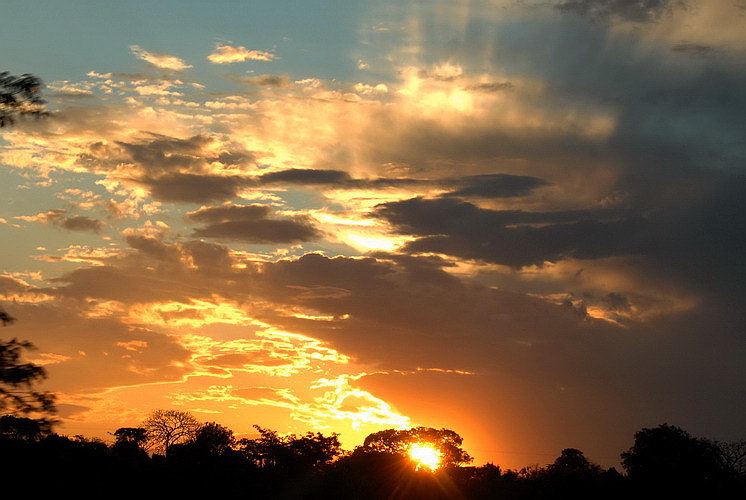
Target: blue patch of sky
point(64, 40)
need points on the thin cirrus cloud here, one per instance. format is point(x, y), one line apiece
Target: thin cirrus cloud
point(159, 60)
point(227, 54)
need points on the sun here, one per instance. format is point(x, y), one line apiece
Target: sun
point(425, 455)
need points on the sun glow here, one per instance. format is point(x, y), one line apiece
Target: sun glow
point(425, 455)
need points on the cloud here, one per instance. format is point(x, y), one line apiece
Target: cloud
point(496, 185)
point(485, 186)
point(252, 224)
point(694, 49)
point(272, 81)
point(95, 358)
point(628, 10)
point(72, 223)
point(514, 238)
point(194, 188)
point(229, 212)
point(159, 60)
point(226, 54)
point(305, 176)
point(81, 223)
point(262, 231)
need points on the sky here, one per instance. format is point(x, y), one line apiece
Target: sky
point(520, 220)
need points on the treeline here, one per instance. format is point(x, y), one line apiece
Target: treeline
point(172, 453)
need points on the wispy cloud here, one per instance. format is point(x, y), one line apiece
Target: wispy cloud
point(226, 54)
point(160, 60)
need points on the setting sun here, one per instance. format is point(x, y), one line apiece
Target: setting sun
point(425, 455)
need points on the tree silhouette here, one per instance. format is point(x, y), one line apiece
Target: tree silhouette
point(134, 435)
point(168, 427)
point(17, 379)
point(734, 455)
point(213, 439)
point(398, 442)
point(667, 458)
point(573, 462)
point(292, 451)
point(23, 428)
point(19, 96)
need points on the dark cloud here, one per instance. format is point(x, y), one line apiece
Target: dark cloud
point(172, 169)
point(81, 223)
point(229, 212)
point(694, 49)
point(305, 176)
point(273, 81)
point(492, 87)
point(496, 185)
point(167, 153)
point(209, 257)
point(629, 10)
point(194, 188)
point(514, 238)
point(261, 231)
point(158, 155)
point(152, 247)
point(485, 186)
point(251, 223)
point(58, 218)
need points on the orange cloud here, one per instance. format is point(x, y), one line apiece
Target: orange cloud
point(226, 54)
point(163, 61)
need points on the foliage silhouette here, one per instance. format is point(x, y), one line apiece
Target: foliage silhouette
point(18, 379)
point(733, 454)
point(20, 96)
point(131, 435)
point(292, 451)
point(668, 460)
point(398, 442)
point(213, 439)
point(312, 466)
point(28, 429)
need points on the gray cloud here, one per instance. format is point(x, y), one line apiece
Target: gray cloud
point(629, 10)
point(81, 223)
point(273, 81)
point(58, 218)
point(251, 223)
point(694, 49)
point(194, 188)
point(514, 238)
point(305, 176)
point(229, 212)
point(485, 186)
point(496, 185)
point(261, 231)
point(167, 153)
point(492, 87)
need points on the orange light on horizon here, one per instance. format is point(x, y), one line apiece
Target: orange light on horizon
point(425, 456)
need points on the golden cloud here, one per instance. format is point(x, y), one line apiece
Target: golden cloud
point(163, 61)
point(226, 54)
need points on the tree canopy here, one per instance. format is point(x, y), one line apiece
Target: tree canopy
point(291, 451)
point(398, 442)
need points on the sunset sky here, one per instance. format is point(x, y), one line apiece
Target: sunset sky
point(524, 221)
